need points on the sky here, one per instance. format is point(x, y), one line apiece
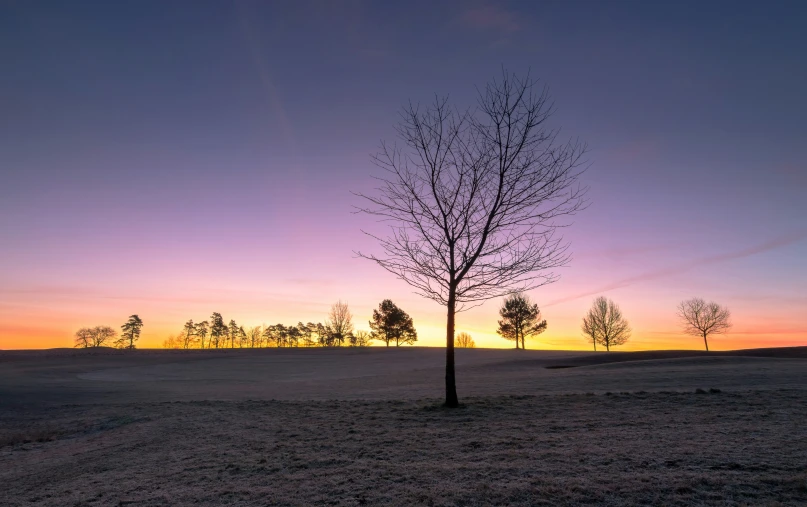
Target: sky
point(173, 159)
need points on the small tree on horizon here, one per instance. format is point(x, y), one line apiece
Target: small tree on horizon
point(201, 330)
point(218, 330)
point(391, 324)
point(605, 324)
point(464, 341)
point(520, 319)
point(130, 332)
point(702, 319)
point(339, 324)
point(188, 332)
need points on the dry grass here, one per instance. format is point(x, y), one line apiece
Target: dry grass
point(698, 431)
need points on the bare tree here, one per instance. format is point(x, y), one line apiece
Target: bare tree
point(605, 324)
point(464, 341)
point(176, 341)
point(102, 335)
point(702, 319)
point(473, 200)
point(84, 338)
point(521, 319)
point(340, 323)
point(254, 336)
point(361, 338)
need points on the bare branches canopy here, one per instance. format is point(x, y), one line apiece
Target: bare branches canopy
point(474, 198)
point(521, 319)
point(340, 323)
point(465, 341)
point(98, 336)
point(702, 319)
point(605, 325)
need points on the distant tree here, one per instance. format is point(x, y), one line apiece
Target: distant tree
point(391, 324)
point(339, 323)
point(201, 331)
point(361, 338)
point(188, 333)
point(293, 336)
point(176, 341)
point(101, 335)
point(268, 336)
point(84, 338)
point(473, 199)
point(464, 341)
point(520, 319)
point(233, 333)
point(323, 335)
point(254, 336)
point(130, 332)
point(218, 330)
point(605, 325)
point(702, 319)
point(307, 332)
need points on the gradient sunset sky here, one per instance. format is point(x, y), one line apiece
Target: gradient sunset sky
point(172, 159)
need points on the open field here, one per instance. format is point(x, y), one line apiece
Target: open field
point(364, 426)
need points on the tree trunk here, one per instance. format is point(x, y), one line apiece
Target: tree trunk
point(451, 385)
point(705, 342)
point(523, 347)
point(594, 341)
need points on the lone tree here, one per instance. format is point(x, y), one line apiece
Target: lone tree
point(391, 324)
point(130, 332)
point(473, 199)
point(464, 341)
point(339, 324)
point(702, 319)
point(520, 319)
point(97, 336)
point(605, 324)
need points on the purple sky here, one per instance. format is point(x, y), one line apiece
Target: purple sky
point(177, 158)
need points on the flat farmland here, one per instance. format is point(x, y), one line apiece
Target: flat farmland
point(365, 426)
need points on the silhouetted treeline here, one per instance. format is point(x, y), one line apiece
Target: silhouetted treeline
point(103, 336)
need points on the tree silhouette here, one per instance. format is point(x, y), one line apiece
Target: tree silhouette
point(520, 319)
point(84, 338)
point(201, 332)
point(339, 323)
point(390, 323)
point(253, 335)
point(130, 332)
point(473, 200)
point(97, 336)
point(188, 332)
point(702, 319)
point(101, 335)
point(605, 324)
point(464, 341)
point(361, 338)
point(218, 330)
point(234, 333)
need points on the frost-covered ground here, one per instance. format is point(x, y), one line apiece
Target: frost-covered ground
point(366, 427)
